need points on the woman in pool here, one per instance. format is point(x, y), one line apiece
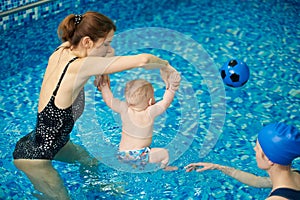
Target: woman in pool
point(86, 52)
point(276, 147)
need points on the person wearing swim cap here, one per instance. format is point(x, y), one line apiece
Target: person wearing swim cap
point(276, 147)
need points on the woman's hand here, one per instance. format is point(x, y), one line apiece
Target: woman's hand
point(154, 62)
point(101, 80)
point(205, 166)
point(174, 81)
point(165, 72)
point(97, 80)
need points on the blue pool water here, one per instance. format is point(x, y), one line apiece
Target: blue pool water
point(207, 121)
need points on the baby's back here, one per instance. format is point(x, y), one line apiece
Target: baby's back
point(137, 129)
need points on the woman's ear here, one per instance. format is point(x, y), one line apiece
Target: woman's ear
point(264, 157)
point(150, 102)
point(87, 42)
point(270, 163)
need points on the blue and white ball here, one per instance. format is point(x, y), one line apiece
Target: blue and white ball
point(235, 73)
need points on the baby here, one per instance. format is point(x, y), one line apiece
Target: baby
point(137, 115)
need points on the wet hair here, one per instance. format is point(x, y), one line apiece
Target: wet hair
point(138, 92)
point(92, 24)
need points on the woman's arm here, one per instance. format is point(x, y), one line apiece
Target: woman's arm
point(107, 65)
point(244, 177)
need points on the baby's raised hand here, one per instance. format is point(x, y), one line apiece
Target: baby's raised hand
point(97, 80)
point(174, 81)
point(101, 81)
point(165, 72)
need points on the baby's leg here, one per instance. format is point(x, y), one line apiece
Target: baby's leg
point(160, 155)
point(43, 177)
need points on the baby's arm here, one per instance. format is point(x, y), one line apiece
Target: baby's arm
point(107, 95)
point(173, 82)
point(242, 176)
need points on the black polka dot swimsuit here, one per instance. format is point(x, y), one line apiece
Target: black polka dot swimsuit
point(53, 128)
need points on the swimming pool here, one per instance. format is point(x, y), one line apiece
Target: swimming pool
point(206, 122)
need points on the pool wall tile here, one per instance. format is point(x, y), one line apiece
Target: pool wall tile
point(25, 16)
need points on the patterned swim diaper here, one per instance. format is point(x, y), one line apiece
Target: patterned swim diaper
point(136, 157)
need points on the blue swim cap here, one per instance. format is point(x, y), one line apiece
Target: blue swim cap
point(280, 143)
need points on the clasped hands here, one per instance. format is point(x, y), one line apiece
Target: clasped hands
point(169, 75)
point(101, 80)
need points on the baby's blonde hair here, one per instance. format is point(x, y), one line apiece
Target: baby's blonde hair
point(138, 93)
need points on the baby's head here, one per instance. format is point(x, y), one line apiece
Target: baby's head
point(139, 94)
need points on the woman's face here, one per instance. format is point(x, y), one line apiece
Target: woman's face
point(261, 159)
point(102, 47)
